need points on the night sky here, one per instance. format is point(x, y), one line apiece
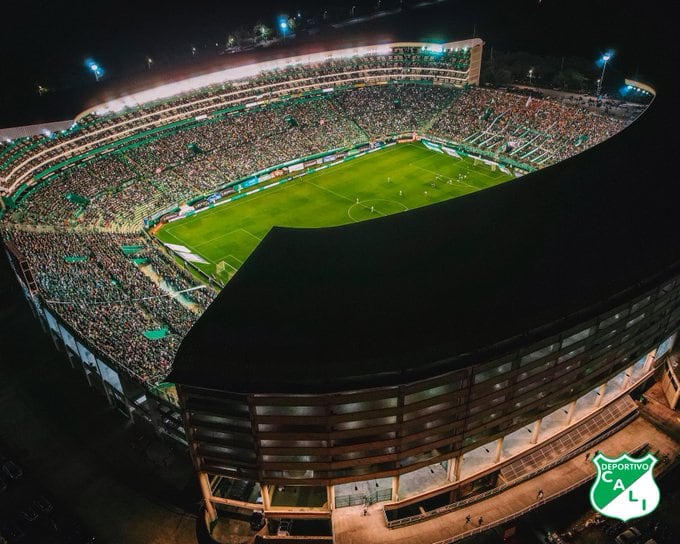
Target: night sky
point(46, 42)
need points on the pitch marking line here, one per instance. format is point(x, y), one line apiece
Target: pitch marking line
point(189, 220)
point(438, 174)
point(211, 240)
point(251, 234)
point(327, 190)
point(192, 248)
point(467, 168)
point(229, 265)
point(226, 262)
point(366, 206)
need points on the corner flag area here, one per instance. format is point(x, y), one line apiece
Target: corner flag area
point(385, 182)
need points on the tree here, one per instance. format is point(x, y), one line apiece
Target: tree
point(262, 32)
point(569, 78)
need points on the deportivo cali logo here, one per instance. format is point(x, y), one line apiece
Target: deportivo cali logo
point(624, 487)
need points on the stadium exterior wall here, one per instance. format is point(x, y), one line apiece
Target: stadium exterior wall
point(328, 439)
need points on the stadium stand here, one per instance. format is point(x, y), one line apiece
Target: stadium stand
point(78, 196)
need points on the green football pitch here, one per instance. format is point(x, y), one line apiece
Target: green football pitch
point(389, 181)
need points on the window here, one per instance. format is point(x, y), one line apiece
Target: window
point(639, 304)
point(430, 393)
point(354, 407)
point(492, 372)
point(611, 319)
point(665, 346)
point(635, 320)
point(573, 353)
point(538, 354)
point(290, 410)
point(533, 371)
point(576, 337)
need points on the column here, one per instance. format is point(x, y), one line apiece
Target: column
point(105, 386)
point(649, 362)
point(154, 413)
point(207, 495)
point(499, 450)
point(457, 465)
point(70, 357)
point(451, 469)
point(266, 497)
point(87, 375)
point(536, 431)
point(54, 339)
point(626, 377)
point(129, 407)
point(42, 322)
point(572, 411)
point(395, 488)
point(330, 492)
point(600, 395)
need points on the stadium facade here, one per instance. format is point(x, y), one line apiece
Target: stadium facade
point(332, 370)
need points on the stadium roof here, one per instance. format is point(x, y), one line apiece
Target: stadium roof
point(412, 295)
point(252, 69)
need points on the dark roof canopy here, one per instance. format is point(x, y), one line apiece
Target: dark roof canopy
point(411, 295)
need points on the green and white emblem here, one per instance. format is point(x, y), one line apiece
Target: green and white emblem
point(625, 486)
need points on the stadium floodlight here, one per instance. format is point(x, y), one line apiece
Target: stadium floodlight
point(531, 76)
point(95, 68)
point(604, 60)
point(149, 62)
point(283, 25)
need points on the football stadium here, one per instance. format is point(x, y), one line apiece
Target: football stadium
point(362, 290)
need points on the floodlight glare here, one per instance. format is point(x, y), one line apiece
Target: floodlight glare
point(604, 59)
point(284, 25)
point(94, 67)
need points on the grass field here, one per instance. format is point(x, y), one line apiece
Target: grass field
point(393, 180)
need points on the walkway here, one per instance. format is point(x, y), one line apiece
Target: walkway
point(350, 527)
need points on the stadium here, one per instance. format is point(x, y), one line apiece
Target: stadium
point(330, 277)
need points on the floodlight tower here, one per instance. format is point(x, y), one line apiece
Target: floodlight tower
point(95, 70)
point(605, 58)
point(284, 28)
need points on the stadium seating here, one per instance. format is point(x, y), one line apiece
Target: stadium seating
point(73, 224)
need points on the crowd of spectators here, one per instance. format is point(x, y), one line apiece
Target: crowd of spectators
point(537, 131)
point(133, 182)
point(94, 130)
point(111, 299)
point(384, 110)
